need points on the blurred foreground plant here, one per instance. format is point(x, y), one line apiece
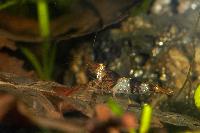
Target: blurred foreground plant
point(197, 97)
point(118, 111)
point(115, 107)
point(44, 69)
point(145, 120)
point(6, 4)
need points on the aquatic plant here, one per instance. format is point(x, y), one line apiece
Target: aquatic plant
point(44, 69)
point(197, 97)
point(115, 107)
point(118, 111)
point(7, 4)
point(145, 119)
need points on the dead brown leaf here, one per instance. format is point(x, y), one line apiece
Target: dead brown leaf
point(7, 43)
point(38, 105)
point(93, 15)
point(6, 102)
point(13, 65)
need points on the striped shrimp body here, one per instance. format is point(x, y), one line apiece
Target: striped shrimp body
point(136, 89)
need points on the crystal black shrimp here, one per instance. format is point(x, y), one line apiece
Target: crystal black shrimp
point(110, 82)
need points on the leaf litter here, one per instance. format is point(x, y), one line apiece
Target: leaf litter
point(26, 102)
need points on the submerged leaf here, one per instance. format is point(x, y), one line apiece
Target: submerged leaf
point(13, 65)
point(34, 61)
point(93, 15)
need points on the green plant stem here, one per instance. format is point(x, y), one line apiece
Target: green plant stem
point(197, 97)
point(52, 57)
point(43, 18)
point(31, 57)
point(44, 25)
point(145, 118)
point(7, 4)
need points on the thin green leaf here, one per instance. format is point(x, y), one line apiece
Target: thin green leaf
point(52, 57)
point(45, 60)
point(43, 18)
point(115, 107)
point(197, 97)
point(7, 4)
point(32, 58)
point(145, 118)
